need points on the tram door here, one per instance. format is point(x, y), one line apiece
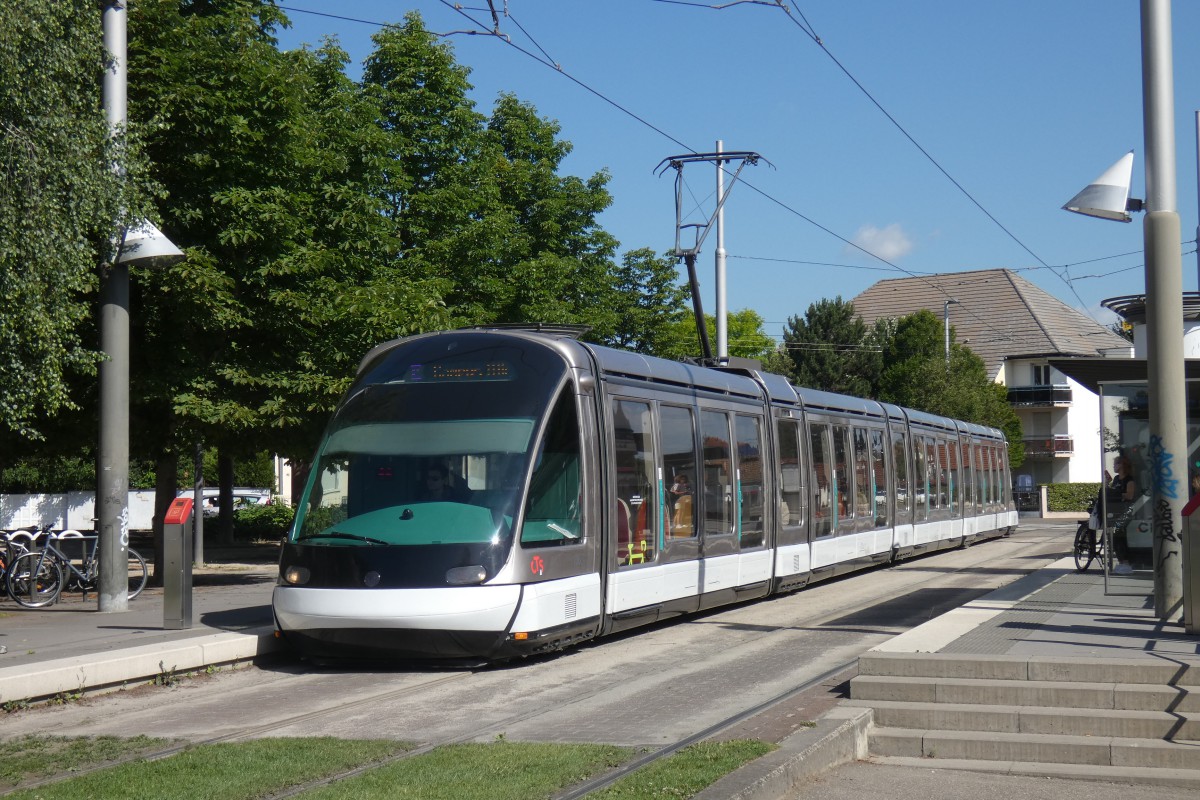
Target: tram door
point(719, 500)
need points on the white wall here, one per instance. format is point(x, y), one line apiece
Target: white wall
point(70, 510)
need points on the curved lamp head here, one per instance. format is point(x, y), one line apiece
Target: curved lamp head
point(146, 246)
point(1107, 197)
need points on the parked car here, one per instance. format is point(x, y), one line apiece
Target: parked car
point(242, 497)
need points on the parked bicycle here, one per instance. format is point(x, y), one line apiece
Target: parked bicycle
point(1089, 543)
point(37, 578)
point(15, 543)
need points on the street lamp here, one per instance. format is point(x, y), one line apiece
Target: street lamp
point(1107, 198)
point(946, 324)
point(142, 245)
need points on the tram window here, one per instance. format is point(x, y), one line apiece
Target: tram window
point(943, 463)
point(863, 495)
point(904, 494)
point(791, 472)
point(679, 469)
point(955, 484)
point(920, 480)
point(750, 480)
point(718, 473)
point(933, 482)
point(842, 489)
point(552, 515)
point(968, 481)
point(879, 491)
point(981, 480)
point(637, 486)
point(824, 490)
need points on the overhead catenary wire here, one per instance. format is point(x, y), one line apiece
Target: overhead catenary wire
point(545, 60)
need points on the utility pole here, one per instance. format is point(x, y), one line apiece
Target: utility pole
point(1164, 312)
point(112, 458)
point(722, 302)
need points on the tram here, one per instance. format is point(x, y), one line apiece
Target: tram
point(484, 494)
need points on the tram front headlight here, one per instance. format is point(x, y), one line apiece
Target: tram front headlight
point(466, 576)
point(296, 576)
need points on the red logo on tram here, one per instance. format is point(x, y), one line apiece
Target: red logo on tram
point(537, 566)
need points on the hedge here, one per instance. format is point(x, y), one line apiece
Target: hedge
point(1070, 496)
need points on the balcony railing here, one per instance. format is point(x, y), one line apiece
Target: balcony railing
point(1049, 447)
point(1035, 396)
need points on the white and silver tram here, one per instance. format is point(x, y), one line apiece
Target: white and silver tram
point(489, 493)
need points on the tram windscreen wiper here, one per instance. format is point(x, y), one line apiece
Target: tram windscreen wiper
point(339, 535)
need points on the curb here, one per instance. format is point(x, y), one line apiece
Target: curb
point(839, 737)
point(92, 672)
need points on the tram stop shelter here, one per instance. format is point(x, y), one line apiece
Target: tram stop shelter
point(1124, 391)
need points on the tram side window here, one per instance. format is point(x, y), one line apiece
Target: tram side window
point(750, 480)
point(920, 479)
point(904, 493)
point(636, 483)
point(934, 479)
point(943, 463)
point(864, 497)
point(791, 472)
point(718, 473)
point(879, 478)
point(679, 469)
point(843, 490)
point(824, 490)
point(968, 481)
point(955, 483)
point(552, 515)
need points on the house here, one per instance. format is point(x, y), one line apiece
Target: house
point(1016, 328)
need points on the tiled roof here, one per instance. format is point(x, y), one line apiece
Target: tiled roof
point(999, 315)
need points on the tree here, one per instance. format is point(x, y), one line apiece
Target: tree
point(744, 330)
point(833, 349)
point(648, 304)
point(61, 202)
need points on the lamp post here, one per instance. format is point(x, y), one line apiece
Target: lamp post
point(946, 324)
point(1107, 198)
point(143, 245)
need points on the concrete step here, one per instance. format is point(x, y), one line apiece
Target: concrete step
point(1140, 776)
point(1164, 672)
point(1034, 748)
point(1054, 694)
point(1033, 719)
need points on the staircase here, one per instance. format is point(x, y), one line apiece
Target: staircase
point(1134, 721)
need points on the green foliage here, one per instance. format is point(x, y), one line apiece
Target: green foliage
point(60, 204)
point(1070, 496)
point(746, 337)
point(33, 757)
point(687, 772)
point(832, 349)
point(262, 523)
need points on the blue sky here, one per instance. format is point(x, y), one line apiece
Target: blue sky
point(1021, 103)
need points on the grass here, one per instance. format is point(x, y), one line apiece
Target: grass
point(685, 773)
point(500, 770)
point(497, 771)
point(36, 757)
point(227, 771)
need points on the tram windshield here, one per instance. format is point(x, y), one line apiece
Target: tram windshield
point(432, 445)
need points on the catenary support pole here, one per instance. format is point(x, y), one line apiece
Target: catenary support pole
point(722, 298)
point(1164, 313)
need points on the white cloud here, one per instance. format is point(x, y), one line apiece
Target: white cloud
point(889, 243)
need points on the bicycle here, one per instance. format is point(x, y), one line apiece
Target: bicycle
point(37, 578)
point(1089, 544)
point(16, 543)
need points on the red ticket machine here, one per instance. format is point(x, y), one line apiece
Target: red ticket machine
point(177, 565)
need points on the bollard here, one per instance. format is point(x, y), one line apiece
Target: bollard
point(177, 565)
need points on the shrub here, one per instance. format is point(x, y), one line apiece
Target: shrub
point(1070, 496)
point(262, 522)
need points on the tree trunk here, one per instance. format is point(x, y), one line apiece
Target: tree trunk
point(166, 487)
